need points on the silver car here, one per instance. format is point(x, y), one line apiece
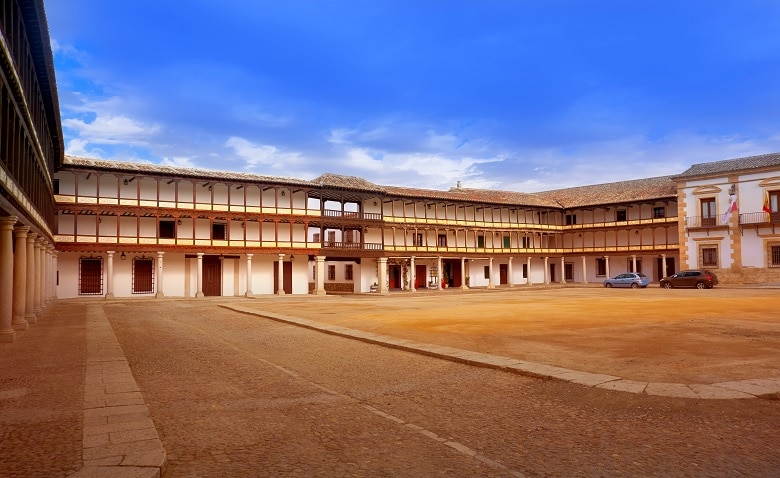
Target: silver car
point(628, 279)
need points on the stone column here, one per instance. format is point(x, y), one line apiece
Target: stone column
point(29, 303)
point(160, 276)
point(663, 266)
point(280, 275)
point(528, 270)
point(510, 279)
point(38, 274)
point(438, 272)
point(491, 283)
point(110, 274)
point(49, 273)
point(20, 278)
point(55, 273)
point(584, 271)
point(199, 278)
point(42, 279)
point(563, 270)
point(633, 261)
point(319, 275)
point(382, 273)
point(463, 273)
point(606, 260)
point(249, 275)
point(546, 270)
point(7, 332)
point(412, 275)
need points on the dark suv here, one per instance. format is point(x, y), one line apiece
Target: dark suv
point(700, 279)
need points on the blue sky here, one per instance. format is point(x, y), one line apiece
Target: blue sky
point(515, 95)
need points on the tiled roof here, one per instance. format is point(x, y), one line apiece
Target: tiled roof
point(636, 190)
point(157, 169)
point(485, 196)
point(660, 188)
point(347, 182)
point(729, 165)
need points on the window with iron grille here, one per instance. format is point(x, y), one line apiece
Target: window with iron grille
point(708, 256)
point(331, 272)
point(525, 271)
point(348, 271)
point(91, 276)
point(774, 256)
point(143, 275)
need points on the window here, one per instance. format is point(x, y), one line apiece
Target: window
point(621, 215)
point(348, 271)
point(526, 242)
point(91, 276)
point(442, 240)
point(708, 214)
point(480, 241)
point(774, 256)
point(331, 238)
point(331, 272)
point(774, 206)
point(507, 242)
point(601, 267)
point(568, 271)
point(417, 239)
point(571, 219)
point(487, 272)
point(143, 282)
point(349, 235)
point(218, 231)
point(525, 271)
point(659, 212)
point(315, 237)
point(167, 229)
point(708, 256)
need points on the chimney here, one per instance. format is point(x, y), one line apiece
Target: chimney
point(458, 186)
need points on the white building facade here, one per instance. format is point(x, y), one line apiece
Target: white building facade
point(731, 212)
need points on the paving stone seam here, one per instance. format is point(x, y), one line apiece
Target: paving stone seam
point(768, 388)
point(129, 447)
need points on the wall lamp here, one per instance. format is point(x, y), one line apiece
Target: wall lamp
point(178, 222)
point(123, 256)
point(284, 194)
point(292, 257)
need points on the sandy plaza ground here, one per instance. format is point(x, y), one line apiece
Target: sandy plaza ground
point(652, 334)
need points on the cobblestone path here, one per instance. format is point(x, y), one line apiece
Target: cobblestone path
point(234, 395)
point(41, 391)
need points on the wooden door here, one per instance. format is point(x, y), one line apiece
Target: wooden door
point(420, 280)
point(287, 279)
point(552, 272)
point(503, 274)
point(395, 277)
point(212, 276)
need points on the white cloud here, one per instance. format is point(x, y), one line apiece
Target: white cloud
point(109, 129)
point(263, 155)
point(78, 147)
point(178, 162)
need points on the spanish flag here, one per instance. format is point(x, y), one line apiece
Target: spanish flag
point(767, 208)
